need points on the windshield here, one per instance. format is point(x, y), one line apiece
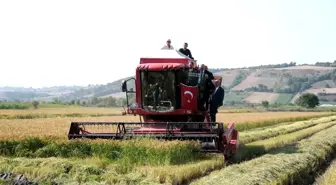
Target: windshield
point(158, 90)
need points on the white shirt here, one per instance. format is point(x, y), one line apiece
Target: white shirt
point(166, 47)
point(215, 90)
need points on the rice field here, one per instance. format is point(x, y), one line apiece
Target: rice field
point(58, 127)
point(329, 177)
point(274, 148)
point(72, 110)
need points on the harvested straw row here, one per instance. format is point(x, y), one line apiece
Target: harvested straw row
point(294, 164)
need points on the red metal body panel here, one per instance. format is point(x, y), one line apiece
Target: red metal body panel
point(138, 87)
point(164, 60)
point(161, 66)
point(175, 112)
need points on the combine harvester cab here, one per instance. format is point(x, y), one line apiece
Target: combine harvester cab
point(167, 108)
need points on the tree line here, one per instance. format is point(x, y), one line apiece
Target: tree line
point(90, 102)
point(109, 101)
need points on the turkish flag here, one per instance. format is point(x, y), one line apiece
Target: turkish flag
point(189, 97)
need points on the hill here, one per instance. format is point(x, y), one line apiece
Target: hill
point(278, 84)
point(28, 94)
point(96, 91)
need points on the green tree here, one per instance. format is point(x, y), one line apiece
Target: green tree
point(94, 101)
point(110, 101)
point(35, 104)
point(56, 101)
point(308, 100)
point(265, 103)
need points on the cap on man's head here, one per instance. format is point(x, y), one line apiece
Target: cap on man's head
point(168, 40)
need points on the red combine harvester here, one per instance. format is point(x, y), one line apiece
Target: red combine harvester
point(167, 108)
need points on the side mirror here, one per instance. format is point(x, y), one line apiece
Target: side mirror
point(124, 86)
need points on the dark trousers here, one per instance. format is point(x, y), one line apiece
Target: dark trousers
point(206, 101)
point(213, 117)
point(213, 110)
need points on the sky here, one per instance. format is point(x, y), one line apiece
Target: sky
point(81, 42)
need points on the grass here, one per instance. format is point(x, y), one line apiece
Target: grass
point(236, 97)
point(10, 105)
point(294, 164)
point(55, 105)
point(29, 105)
point(264, 133)
point(329, 177)
point(283, 99)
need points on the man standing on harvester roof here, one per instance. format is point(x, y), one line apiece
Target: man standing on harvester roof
point(186, 51)
point(168, 46)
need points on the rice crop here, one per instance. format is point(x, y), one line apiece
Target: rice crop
point(143, 151)
point(67, 110)
point(59, 112)
point(257, 148)
point(264, 133)
point(295, 164)
point(182, 174)
point(329, 177)
point(59, 126)
point(39, 149)
point(252, 124)
point(55, 170)
point(96, 170)
point(47, 127)
point(166, 172)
